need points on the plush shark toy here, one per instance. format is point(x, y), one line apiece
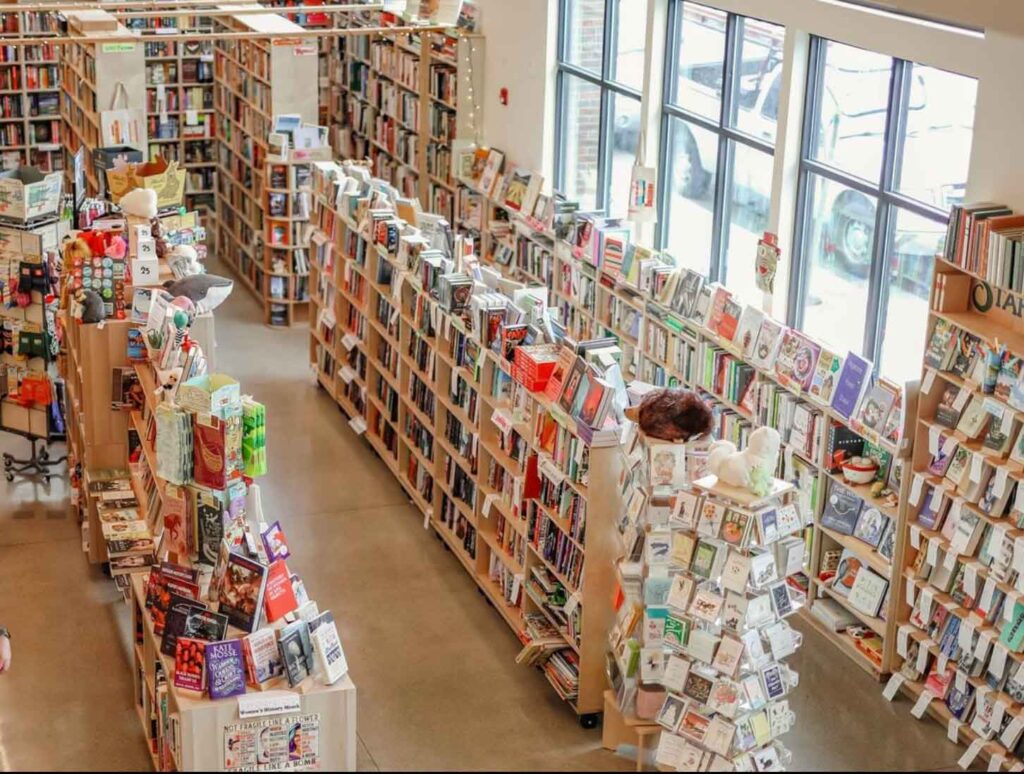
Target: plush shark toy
point(206, 291)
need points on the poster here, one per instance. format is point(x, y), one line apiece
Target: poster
point(286, 743)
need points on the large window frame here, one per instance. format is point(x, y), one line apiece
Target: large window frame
point(885, 192)
point(728, 136)
point(609, 87)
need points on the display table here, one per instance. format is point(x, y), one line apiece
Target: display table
point(190, 732)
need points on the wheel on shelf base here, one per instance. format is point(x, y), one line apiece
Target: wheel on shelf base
point(9, 476)
point(590, 720)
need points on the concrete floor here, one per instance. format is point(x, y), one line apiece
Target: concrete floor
point(438, 688)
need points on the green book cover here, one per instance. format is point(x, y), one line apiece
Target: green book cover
point(1012, 635)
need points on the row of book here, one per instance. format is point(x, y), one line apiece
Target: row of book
point(987, 239)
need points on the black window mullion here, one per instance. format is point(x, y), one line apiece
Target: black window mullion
point(604, 148)
point(665, 145)
point(726, 155)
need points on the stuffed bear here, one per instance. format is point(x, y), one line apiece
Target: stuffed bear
point(184, 260)
point(671, 415)
point(754, 467)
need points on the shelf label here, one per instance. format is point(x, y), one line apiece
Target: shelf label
point(145, 271)
point(965, 637)
point(997, 664)
point(902, 639)
point(961, 399)
point(922, 657)
point(893, 686)
point(488, 505)
point(928, 383)
point(923, 701)
point(118, 48)
point(915, 489)
point(933, 440)
point(972, 752)
point(257, 705)
point(970, 580)
point(347, 374)
point(953, 730)
point(977, 464)
point(358, 425)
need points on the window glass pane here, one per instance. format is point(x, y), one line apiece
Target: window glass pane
point(584, 33)
point(626, 134)
point(849, 130)
point(937, 148)
point(837, 250)
point(630, 40)
point(581, 130)
point(755, 108)
point(748, 198)
point(693, 159)
point(701, 60)
point(909, 278)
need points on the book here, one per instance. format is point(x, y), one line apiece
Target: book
point(849, 568)
point(854, 377)
point(826, 376)
point(205, 625)
point(330, 656)
point(946, 413)
point(241, 593)
point(842, 509)
point(939, 351)
point(747, 329)
point(796, 360)
point(190, 664)
point(867, 592)
point(262, 657)
point(177, 615)
point(225, 669)
point(274, 542)
point(875, 406)
point(296, 652)
point(769, 338)
point(278, 597)
point(870, 526)
point(974, 419)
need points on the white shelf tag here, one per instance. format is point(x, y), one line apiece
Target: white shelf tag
point(953, 730)
point(971, 753)
point(922, 704)
point(893, 686)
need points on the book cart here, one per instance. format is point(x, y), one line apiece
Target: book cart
point(960, 605)
point(91, 76)
point(431, 403)
point(30, 116)
point(255, 80)
point(667, 348)
point(404, 116)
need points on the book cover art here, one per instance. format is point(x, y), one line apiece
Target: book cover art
point(853, 380)
point(190, 664)
point(842, 509)
point(262, 657)
point(796, 361)
point(867, 592)
point(330, 656)
point(870, 526)
point(177, 615)
point(946, 413)
point(225, 669)
point(826, 375)
point(241, 593)
point(769, 337)
point(210, 468)
point(274, 542)
point(849, 568)
point(296, 652)
point(940, 346)
point(874, 408)
point(279, 598)
point(209, 526)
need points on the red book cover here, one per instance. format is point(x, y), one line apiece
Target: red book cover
point(279, 599)
point(210, 468)
point(190, 664)
point(531, 486)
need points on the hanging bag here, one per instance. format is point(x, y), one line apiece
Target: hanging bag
point(643, 184)
point(122, 125)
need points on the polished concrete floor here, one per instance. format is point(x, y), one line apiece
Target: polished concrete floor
point(438, 687)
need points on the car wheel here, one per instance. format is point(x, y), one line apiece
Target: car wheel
point(852, 232)
point(691, 179)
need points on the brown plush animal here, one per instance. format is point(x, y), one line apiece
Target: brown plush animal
point(157, 230)
point(671, 415)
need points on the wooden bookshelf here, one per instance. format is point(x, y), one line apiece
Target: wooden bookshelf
point(90, 75)
point(666, 349)
point(287, 205)
point(395, 364)
point(30, 116)
point(255, 80)
point(934, 618)
point(403, 101)
point(180, 112)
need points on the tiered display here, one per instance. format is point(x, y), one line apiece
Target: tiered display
point(405, 102)
point(254, 83)
point(30, 115)
point(507, 447)
point(961, 613)
point(701, 638)
point(843, 431)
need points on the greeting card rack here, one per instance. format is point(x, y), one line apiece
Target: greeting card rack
point(960, 606)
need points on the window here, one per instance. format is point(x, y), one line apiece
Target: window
point(600, 78)
point(718, 138)
point(885, 152)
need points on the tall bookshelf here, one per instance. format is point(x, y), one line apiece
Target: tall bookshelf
point(179, 102)
point(287, 206)
point(255, 80)
point(90, 75)
point(666, 348)
point(961, 586)
point(402, 116)
point(397, 365)
point(30, 116)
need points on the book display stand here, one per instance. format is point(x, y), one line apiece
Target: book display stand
point(521, 495)
point(29, 91)
point(705, 589)
point(961, 612)
point(662, 317)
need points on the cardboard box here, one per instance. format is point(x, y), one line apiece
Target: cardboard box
point(158, 175)
point(27, 194)
point(92, 20)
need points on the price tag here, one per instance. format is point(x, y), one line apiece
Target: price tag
point(145, 271)
point(950, 444)
point(971, 753)
point(915, 489)
point(987, 593)
point(937, 496)
point(893, 686)
point(933, 441)
point(961, 399)
point(970, 580)
point(358, 425)
point(953, 730)
point(1012, 732)
point(922, 656)
point(984, 643)
point(995, 763)
point(488, 504)
point(977, 465)
point(349, 340)
point(915, 537)
point(933, 552)
point(961, 681)
point(928, 382)
point(911, 591)
point(998, 713)
point(999, 486)
point(903, 639)
point(965, 637)
point(997, 664)
point(922, 704)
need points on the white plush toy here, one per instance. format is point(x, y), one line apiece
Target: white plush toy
point(140, 203)
point(184, 261)
point(752, 468)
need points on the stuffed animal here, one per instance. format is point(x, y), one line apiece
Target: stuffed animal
point(91, 305)
point(157, 230)
point(184, 261)
point(77, 249)
point(139, 203)
point(206, 291)
point(752, 468)
point(671, 415)
point(117, 248)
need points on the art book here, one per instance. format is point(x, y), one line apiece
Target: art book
point(225, 669)
point(842, 509)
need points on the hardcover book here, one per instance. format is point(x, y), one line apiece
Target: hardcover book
point(241, 593)
point(296, 652)
point(278, 597)
point(262, 657)
point(854, 377)
point(225, 669)
point(842, 509)
point(796, 361)
point(177, 615)
point(868, 591)
point(330, 656)
point(946, 413)
point(274, 542)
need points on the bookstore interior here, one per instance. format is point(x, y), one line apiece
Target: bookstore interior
point(659, 362)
